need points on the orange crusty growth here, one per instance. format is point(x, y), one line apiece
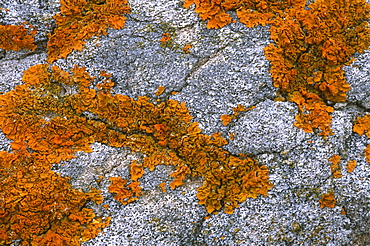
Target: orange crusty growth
point(160, 90)
point(327, 200)
point(311, 46)
point(313, 113)
point(40, 207)
point(42, 118)
point(124, 193)
point(16, 38)
point(335, 168)
point(227, 118)
point(310, 49)
point(166, 37)
point(162, 186)
point(351, 166)
point(47, 115)
point(362, 126)
point(187, 48)
point(165, 134)
point(250, 12)
point(79, 20)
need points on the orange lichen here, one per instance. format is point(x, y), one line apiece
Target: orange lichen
point(311, 46)
point(47, 116)
point(186, 48)
point(313, 113)
point(335, 168)
point(14, 37)
point(160, 90)
point(311, 49)
point(124, 193)
point(79, 20)
point(227, 118)
point(362, 126)
point(327, 200)
point(250, 12)
point(136, 170)
point(38, 206)
point(367, 153)
point(162, 186)
point(166, 37)
point(351, 166)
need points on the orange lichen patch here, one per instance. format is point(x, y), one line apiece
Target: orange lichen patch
point(100, 178)
point(213, 11)
point(335, 168)
point(254, 13)
point(327, 200)
point(367, 153)
point(124, 193)
point(313, 113)
point(136, 170)
point(160, 90)
point(316, 40)
point(179, 175)
point(14, 37)
point(44, 116)
point(79, 20)
point(227, 118)
point(235, 190)
point(239, 108)
point(311, 48)
point(47, 115)
point(351, 165)
point(105, 74)
point(311, 45)
point(186, 48)
point(279, 99)
point(162, 186)
point(362, 126)
point(171, 138)
point(38, 206)
point(251, 13)
point(50, 123)
point(166, 37)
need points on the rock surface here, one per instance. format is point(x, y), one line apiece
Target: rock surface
point(224, 68)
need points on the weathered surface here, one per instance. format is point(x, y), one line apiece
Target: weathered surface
point(224, 68)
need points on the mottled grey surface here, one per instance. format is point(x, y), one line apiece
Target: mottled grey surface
point(359, 77)
point(224, 68)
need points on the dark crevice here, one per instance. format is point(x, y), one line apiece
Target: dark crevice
point(196, 233)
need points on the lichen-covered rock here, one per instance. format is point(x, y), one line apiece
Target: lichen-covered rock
point(126, 124)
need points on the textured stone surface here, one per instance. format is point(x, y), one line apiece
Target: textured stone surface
point(359, 77)
point(224, 68)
